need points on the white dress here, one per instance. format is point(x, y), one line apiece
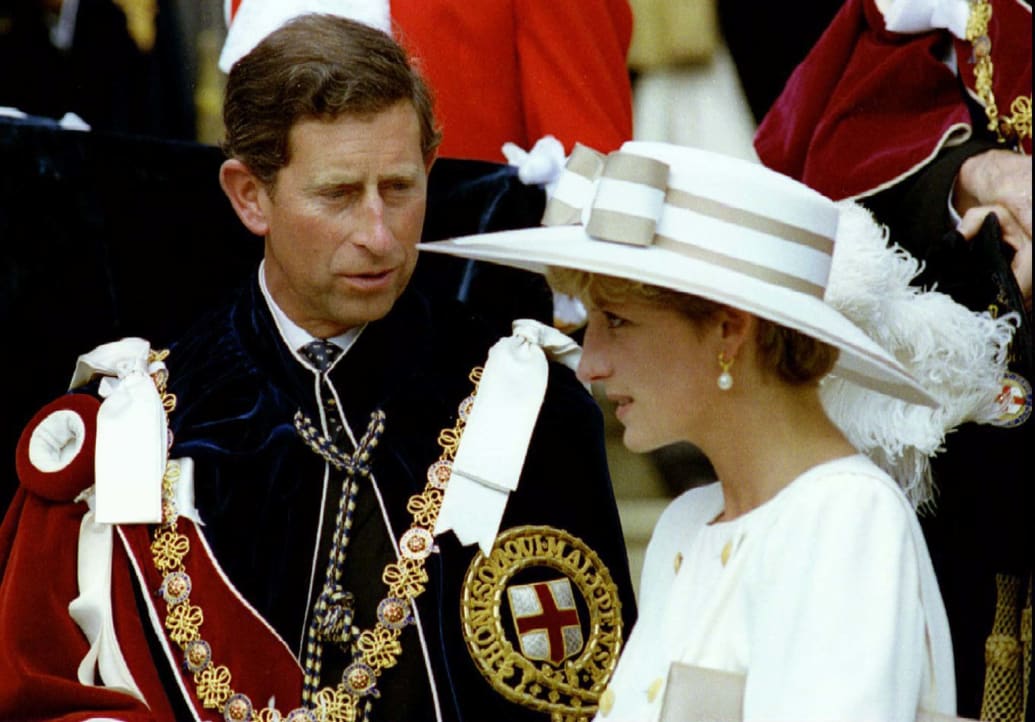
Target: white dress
point(824, 597)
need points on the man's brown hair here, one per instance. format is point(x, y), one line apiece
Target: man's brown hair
point(316, 66)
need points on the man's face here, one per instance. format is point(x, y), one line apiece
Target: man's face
point(344, 218)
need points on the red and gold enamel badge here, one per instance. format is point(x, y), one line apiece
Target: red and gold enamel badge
point(1014, 401)
point(542, 620)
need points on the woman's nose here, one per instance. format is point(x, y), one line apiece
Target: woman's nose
point(593, 366)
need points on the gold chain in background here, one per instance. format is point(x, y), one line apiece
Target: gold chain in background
point(1016, 126)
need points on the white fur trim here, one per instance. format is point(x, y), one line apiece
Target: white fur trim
point(57, 440)
point(103, 664)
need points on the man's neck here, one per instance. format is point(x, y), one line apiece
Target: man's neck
point(294, 335)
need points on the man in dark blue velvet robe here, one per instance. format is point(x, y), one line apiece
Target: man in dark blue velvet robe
point(309, 583)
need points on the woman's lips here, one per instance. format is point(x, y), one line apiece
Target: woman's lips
point(622, 405)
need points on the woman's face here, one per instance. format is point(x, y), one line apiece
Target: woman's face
point(657, 367)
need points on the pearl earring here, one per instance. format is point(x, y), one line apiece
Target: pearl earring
point(725, 378)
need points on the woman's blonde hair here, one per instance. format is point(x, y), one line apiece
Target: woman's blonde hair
point(794, 357)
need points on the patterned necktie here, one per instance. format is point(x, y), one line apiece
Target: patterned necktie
point(330, 629)
point(322, 355)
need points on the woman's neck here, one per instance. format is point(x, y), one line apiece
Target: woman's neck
point(769, 444)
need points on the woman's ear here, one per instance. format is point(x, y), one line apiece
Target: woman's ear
point(246, 194)
point(736, 327)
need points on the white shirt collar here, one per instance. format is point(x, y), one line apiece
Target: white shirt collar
point(294, 335)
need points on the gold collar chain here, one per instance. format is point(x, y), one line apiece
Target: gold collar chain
point(377, 648)
point(1011, 128)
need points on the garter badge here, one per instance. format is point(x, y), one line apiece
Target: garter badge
point(542, 621)
point(1014, 401)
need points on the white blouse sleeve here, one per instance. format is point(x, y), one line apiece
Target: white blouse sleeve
point(836, 626)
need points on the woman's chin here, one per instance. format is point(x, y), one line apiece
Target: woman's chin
point(637, 444)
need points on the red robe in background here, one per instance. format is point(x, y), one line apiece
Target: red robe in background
point(516, 70)
point(869, 107)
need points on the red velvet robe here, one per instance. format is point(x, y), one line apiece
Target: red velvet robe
point(869, 107)
point(43, 522)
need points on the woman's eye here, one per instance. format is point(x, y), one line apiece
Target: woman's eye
point(612, 320)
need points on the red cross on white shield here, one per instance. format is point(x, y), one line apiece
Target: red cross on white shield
point(546, 620)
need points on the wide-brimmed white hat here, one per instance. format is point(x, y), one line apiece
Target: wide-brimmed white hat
point(706, 224)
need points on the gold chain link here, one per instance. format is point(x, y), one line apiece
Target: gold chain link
point(1012, 128)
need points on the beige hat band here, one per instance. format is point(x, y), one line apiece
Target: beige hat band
point(756, 271)
point(746, 219)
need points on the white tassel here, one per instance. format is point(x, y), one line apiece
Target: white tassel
point(540, 166)
point(958, 355)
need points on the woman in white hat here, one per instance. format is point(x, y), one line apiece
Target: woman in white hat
point(718, 313)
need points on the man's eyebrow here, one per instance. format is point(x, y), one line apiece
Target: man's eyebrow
point(333, 181)
point(346, 180)
point(403, 173)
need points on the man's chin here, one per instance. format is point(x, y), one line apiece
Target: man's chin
point(366, 308)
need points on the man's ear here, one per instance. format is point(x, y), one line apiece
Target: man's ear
point(246, 194)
